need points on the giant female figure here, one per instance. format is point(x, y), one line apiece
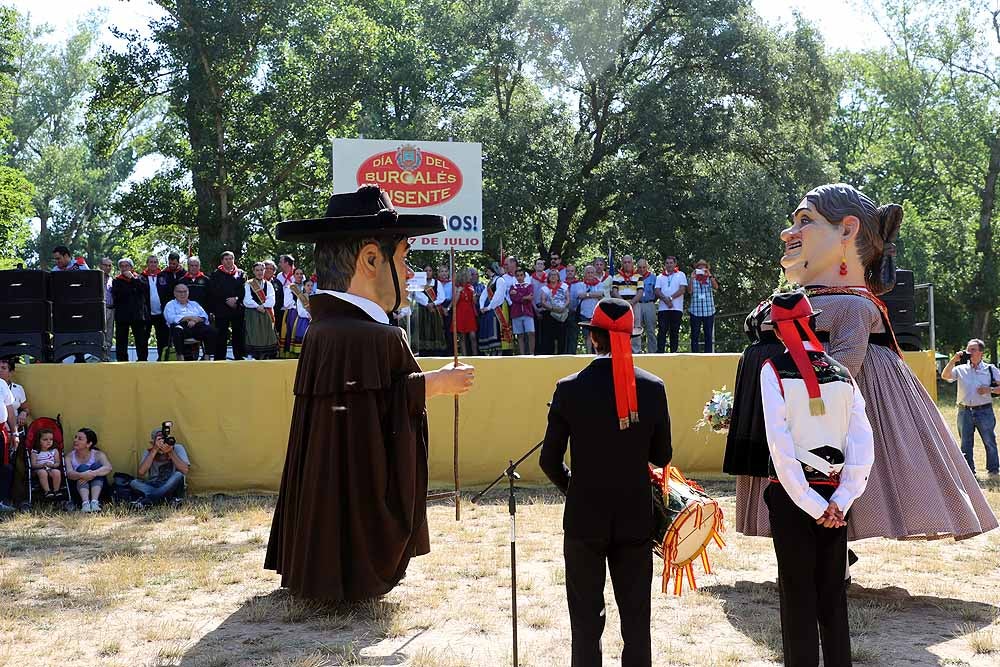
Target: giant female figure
point(841, 247)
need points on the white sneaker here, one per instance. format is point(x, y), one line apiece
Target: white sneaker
point(85, 507)
point(95, 506)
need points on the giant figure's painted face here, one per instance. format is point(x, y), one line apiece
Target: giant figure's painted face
point(813, 246)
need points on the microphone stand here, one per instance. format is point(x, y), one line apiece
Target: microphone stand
point(510, 472)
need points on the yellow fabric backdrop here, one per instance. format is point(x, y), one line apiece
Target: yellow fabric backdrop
point(233, 416)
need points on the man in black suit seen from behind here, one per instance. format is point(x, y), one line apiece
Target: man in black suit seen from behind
point(609, 511)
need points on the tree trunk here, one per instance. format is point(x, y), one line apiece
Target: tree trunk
point(984, 300)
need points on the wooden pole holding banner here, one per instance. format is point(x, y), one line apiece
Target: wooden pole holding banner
point(454, 340)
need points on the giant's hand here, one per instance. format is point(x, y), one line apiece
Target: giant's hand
point(450, 379)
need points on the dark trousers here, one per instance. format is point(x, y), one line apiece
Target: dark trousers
point(201, 332)
point(551, 338)
point(631, 567)
point(668, 320)
point(223, 323)
point(702, 324)
point(812, 562)
point(162, 334)
point(140, 332)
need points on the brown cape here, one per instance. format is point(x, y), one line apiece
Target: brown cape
point(351, 511)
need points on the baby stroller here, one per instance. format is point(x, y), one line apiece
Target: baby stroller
point(34, 489)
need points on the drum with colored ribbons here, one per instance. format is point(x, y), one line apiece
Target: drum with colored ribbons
point(687, 520)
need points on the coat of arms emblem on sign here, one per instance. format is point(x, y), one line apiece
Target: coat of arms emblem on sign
point(409, 159)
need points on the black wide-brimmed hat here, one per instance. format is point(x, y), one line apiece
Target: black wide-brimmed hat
point(367, 212)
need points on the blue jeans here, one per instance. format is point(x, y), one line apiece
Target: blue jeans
point(154, 493)
point(95, 484)
point(983, 420)
point(699, 324)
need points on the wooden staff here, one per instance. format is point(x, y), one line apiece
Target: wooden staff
point(454, 339)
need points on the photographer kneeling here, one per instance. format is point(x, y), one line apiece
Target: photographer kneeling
point(977, 383)
point(164, 467)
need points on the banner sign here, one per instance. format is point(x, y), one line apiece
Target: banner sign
point(442, 177)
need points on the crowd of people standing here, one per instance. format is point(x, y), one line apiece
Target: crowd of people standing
point(517, 310)
point(263, 314)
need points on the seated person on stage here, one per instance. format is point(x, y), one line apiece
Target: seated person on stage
point(161, 471)
point(821, 447)
point(187, 319)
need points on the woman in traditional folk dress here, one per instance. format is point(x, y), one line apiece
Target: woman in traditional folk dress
point(301, 292)
point(496, 335)
point(841, 247)
point(430, 340)
point(258, 304)
point(292, 329)
point(489, 327)
point(466, 312)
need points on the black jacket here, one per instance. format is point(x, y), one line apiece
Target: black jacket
point(198, 290)
point(221, 286)
point(279, 295)
point(166, 281)
point(131, 299)
point(608, 494)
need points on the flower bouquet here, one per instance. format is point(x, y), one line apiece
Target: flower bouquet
point(718, 412)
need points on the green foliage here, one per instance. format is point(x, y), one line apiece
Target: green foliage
point(15, 190)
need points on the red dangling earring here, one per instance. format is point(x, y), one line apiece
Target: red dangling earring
point(843, 262)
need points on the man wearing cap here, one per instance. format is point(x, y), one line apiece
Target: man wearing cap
point(822, 451)
point(351, 509)
point(614, 418)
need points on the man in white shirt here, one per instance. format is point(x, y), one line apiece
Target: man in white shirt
point(8, 444)
point(151, 276)
point(822, 451)
point(187, 320)
point(21, 409)
point(670, 288)
point(978, 382)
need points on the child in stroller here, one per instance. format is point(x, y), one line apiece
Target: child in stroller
point(46, 462)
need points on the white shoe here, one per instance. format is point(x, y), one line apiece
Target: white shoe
point(95, 506)
point(85, 507)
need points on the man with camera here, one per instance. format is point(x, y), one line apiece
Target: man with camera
point(162, 469)
point(978, 382)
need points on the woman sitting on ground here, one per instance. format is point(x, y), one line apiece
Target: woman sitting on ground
point(46, 462)
point(88, 466)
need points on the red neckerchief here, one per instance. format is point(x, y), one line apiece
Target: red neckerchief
point(676, 270)
point(561, 267)
point(188, 276)
point(627, 276)
point(147, 274)
point(702, 278)
point(227, 271)
point(572, 281)
point(645, 275)
point(287, 277)
point(543, 279)
point(122, 276)
point(605, 276)
point(179, 270)
point(591, 281)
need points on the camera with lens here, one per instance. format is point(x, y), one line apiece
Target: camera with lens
point(167, 438)
point(963, 357)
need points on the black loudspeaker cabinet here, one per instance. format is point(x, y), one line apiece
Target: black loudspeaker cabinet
point(23, 285)
point(76, 287)
point(26, 317)
point(78, 317)
point(901, 302)
point(908, 338)
point(904, 285)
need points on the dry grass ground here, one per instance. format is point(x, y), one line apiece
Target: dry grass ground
point(186, 587)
